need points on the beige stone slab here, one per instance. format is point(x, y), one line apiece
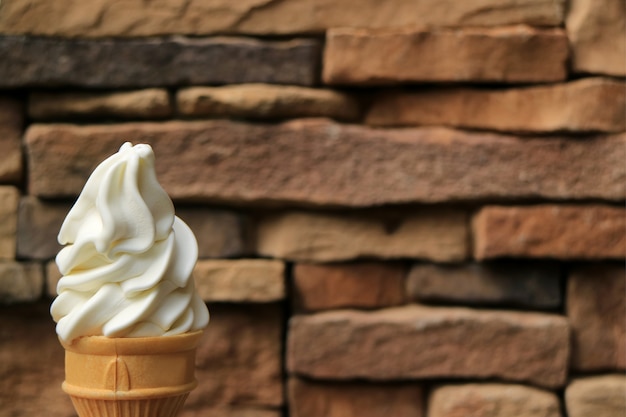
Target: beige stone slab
point(20, 282)
point(9, 199)
point(602, 395)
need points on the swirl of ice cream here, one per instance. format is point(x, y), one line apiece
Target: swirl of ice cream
point(128, 259)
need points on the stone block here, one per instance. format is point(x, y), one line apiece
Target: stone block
point(39, 222)
point(597, 396)
point(11, 124)
point(9, 199)
point(20, 282)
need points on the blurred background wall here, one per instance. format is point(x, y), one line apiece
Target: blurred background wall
point(409, 208)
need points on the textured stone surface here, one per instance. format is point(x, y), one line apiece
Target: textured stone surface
point(53, 275)
point(151, 103)
point(264, 101)
point(9, 199)
point(354, 399)
point(589, 104)
point(596, 31)
point(597, 396)
point(20, 282)
point(239, 358)
point(492, 400)
point(11, 120)
point(510, 54)
point(322, 162)
point(241, 280)
point(534, 285)
point(198, 17)
point(439, 235)
point(425, 342)
point(554, 231)
point(596, 308)
point(31, 364)
point(115, 63)
point(360, 285)
point(38, 225)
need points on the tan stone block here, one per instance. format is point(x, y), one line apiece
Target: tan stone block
point(354, 399)
point(241, 280)
point(509, 55)
point(589, 104)
point(9, 198)
point(136, 18)
point(439, 235)
point(596, 32)
point(415, 342)
point(550, 231)
point(39, 222)
point(265, 101)
point(152, 103)
point(359, 285)
point(492, 400)
point(53, 275)
point(11, 121)
point(597, 396)
point(20, 282)
point(596, 309)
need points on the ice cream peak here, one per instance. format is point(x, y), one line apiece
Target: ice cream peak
point(128, 259)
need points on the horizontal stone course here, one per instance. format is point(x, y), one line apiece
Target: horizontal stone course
point(319, 162)
point(118, 63)
point(517, 54)
point(11, 125)
point(414, 342)
point(600, 395)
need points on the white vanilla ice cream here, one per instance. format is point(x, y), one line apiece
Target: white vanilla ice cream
point(128, 259)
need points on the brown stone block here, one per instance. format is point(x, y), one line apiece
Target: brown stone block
point(597, 396)
point(137, 63)
point(152, 103)
point(9, 199)
point(492, 400)
point(39, 223)
point(264, 101)
point(423, 342)
point(239, 358)
point(137, 18)
point(20, 282)
point(550, 231)
point(596, 308)
point(437, 234)
point(596, 32)
point(589, 104)
point(11, 121)
point(241, 280)
point(501, 55)
point(359, 285)
point(319, 162)
point(31, 364)
point(53, 275)
point(354, 399)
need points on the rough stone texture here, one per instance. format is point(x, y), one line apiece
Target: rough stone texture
point(38, 225)
point(200, 17)
point(242, 280)
point(554, 231)
point(11, 121)
point(354, 399)
point(9, 199)
point(596, 32)
point(324, 163)
point(590, 104)
point(20, 282)
point(239, 358)
point(596, 308)
point(264, 101)
point(597, 396)
point(492, 400)
point(436, 234)
point(151, 103)
point(360, 285)
point(534, 285)
point(31, 364)
point(116, 63)
point(510, 54)
point(424, 342)
point(220, 233)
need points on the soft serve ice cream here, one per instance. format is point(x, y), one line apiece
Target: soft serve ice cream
point(128, 259)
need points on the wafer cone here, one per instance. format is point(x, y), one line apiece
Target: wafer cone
point(130, 377)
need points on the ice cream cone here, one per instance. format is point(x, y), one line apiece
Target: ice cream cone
point(130, 377)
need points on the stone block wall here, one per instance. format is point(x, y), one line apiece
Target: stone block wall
point(404, 208)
